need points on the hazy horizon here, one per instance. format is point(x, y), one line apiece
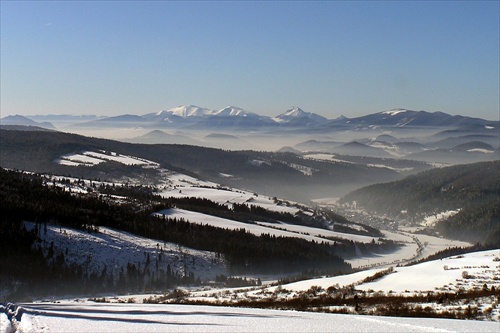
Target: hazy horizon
point(281, 112)
point(329, 58)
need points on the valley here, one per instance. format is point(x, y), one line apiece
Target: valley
point(249, 166)
point(322, 225)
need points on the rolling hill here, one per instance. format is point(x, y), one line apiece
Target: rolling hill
point(275, 174)
point(472, 190)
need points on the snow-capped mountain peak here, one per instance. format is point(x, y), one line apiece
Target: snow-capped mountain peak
point(185, 111)
point(297, 115)
point(295, 112)
point(232, 111)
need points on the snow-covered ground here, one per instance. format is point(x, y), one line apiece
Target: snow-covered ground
point(77, 315)
point(90, 158)
point(69, 316)
point(450, 277)
point(427, 276)
point(416, 246)
point(259, 228)
point(174, 184)
point(326, 157)
point(115, 249)
point(446, 275)
point(182, 186)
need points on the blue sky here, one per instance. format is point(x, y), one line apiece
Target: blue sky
point(327, 57)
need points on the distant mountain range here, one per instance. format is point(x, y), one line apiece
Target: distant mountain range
point(235, 118)
point(24, 121)
point(453, 150)
point(402, 118)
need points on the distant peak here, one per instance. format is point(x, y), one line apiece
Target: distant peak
point(295, 111)
point(232, 111)
point(189, 111)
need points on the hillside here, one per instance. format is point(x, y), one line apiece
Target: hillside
point(472, 189)
point(68, 232)
point(63, 232)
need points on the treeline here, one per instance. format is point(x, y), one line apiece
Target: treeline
point(234, 281)
point(246, 252)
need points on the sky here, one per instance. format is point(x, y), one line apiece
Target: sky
point(332, 58)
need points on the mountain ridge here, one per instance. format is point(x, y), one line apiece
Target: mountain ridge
point(192, 116)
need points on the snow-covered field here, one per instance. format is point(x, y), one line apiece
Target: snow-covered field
point(259, 228)
point(125, 314)
point(416, 246)
point(182, 186)
point(69, 316)
point(325, 157)
point(445, 274)
point(90, 158)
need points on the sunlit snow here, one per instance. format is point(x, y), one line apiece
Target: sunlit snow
point(90, 158)
point(69, 316)
point(394, 112)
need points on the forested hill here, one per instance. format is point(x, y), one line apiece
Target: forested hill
point(474, 189)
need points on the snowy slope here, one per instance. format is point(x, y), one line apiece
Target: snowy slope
point(115, 249)
point(185, 111)
point(90, 158)
point(458, 283)
point(182, 186)
point(69, 316)
point(234, 111)
point(431, 275)
point(173, 184)
point(446, 273)
point(259, 228)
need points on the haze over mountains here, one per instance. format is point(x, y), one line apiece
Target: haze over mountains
point(192, 116)
point(434, 137)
